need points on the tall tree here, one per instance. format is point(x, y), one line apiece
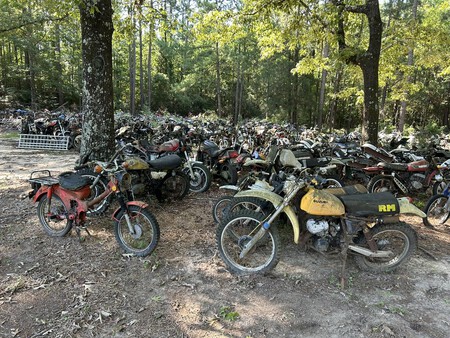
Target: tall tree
point(368, 60)
point(97, 100)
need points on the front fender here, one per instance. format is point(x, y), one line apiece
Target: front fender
point(276, 200)
point(140, 204)
point(256, 162)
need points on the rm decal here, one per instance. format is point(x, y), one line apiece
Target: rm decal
point(386, 207)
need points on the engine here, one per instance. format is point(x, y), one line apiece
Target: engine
point(416, 181)
point(325, 233)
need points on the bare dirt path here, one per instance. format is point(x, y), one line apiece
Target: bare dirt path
point(61, 287)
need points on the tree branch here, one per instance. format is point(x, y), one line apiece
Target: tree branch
point(33, 22)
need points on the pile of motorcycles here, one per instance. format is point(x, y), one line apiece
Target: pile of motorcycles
point(340, 198)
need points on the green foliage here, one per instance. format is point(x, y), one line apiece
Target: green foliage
point(227, 313)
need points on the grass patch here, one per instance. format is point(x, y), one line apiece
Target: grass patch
point(10, 135)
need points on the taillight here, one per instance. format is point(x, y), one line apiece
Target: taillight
point(233, 154)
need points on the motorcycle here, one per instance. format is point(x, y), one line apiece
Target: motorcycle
point(437, 209)
point(219, 161)
point(406, 178)
point(63, 202)
point(366, 225)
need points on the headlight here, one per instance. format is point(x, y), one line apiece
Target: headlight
point(124, 180)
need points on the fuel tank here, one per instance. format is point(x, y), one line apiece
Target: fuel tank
point(321, 203)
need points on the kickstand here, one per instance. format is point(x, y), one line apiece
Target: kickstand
point(78, 230)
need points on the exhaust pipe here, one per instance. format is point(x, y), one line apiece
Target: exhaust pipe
point(369, 253)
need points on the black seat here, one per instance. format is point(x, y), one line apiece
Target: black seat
point(381, 203)
point(168, 162)
point(393, 166)
point(73, 181)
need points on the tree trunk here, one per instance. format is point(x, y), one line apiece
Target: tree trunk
point(132, 65)
point(218, 82)
point(402, 117)
point(367, 60)
point(141, 69)
point(58, 66)
point(323, 82)
point(97, 101)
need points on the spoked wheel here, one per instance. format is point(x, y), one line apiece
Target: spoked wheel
point(144, 235)
point(232, 235)
point(332, 182)
point(380, 183)
point(437, 212)
point(53, 216)
point(201, 181)
point(250, 203)
point(439, 187)
point(175, 186)
point(220, 208)
point(400, 239)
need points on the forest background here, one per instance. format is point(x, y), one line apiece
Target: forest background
point(278, 60)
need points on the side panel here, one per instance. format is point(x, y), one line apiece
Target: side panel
point(276, 200)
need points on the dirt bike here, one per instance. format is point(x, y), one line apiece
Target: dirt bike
point(406, 178)
point(63, 202)
point(327, 220)
point(219, 161)
point(199, 174)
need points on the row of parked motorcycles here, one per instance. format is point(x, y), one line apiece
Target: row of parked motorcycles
point(338, 197)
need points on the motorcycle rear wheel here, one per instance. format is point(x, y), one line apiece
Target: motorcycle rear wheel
point(175, 186)
point(437, 214)
point(220, 208)
point(380, 183)
point(146, 227)
point(399, 238)
point(228, 173)
point(237, 229)
point(53, 216)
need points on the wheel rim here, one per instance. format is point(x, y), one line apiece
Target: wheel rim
point(54, 220)
point(143, 234)
point(221, 208)
point(437, 213)
point(382, 186)
point(390, 240)
point(238, 232)
point(198, 180)
point(174, 186)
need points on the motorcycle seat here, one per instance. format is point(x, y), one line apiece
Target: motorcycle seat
point(376, 204)
point(168, 162)
point(393, 166)
point(72, 181)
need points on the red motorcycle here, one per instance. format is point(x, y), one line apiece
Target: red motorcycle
point(406, 178)
point(64, 202)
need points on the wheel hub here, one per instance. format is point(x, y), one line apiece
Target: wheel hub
point(137, 231)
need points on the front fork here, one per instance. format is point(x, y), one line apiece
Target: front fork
point(265, 225)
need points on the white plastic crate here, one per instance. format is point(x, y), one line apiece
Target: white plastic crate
point(50, 142)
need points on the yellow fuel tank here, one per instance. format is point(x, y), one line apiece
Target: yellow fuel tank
point(136, 163)
point(321, 203)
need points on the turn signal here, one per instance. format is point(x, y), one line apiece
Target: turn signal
point(98, 169)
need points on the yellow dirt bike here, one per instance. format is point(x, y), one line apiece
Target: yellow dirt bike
point(327, 220)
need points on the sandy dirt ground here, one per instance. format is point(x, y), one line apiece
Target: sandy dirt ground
point(64, 287)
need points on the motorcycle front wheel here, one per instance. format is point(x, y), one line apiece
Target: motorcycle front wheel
point(235, 231)
point(437, 213)
point(53, 216)
point(201, 181)
point(399, 238)
point(380, 183)
point(175, 186)
point(145, 231)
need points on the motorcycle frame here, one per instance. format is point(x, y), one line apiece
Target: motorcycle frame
point(68, 196)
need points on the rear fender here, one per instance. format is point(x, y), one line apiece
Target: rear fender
point(276, 200)
point(407, 207)
point(139, 204)
point(41, 192)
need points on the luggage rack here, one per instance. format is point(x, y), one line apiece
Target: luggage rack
point(43, 142)
point(43, 180)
